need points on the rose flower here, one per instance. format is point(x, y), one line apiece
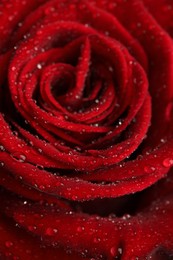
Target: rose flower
point(86, 147)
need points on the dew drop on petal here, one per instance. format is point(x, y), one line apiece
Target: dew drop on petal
point(162, 140)
point(51, 231)
point(10, 18)
point(80, 229)
point(22, 158)
point(8, 244)
point(18, 157)
point(32, 228)
point(39, 66)
point(13, 68)
point(113, 251)
point(168, 162)
point(96, 239)
point(126, 216)
point(2, 149)
point(149, 169)
point(120, 251)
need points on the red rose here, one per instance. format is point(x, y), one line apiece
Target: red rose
point(86, 147)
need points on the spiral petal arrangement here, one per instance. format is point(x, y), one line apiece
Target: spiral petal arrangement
point(86, 91)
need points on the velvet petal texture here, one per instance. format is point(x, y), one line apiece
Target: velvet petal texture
point(86, 147)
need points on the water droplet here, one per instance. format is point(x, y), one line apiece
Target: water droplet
point(10, 18)
point(78, 149)
point(168, 162)
point(22, 158)
point(120, 122)
point(18, 157)
point(2, 164)
point(111, 69)
point(131, 62)
point(69, 213)
point(120, 251)
point(126, 216)
point(149, 169)
point(8, 243)
point(80, 229)
point(39, 66)
point(96, 240)
point(2, 149)
point(162, 140)
point(13, 68)
point(113, 251)
point(49, 10)
point(107, 33)
point(134, 80)
point(31, 228)
point(51, 231)
point(41, 167)
point(74, 197)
